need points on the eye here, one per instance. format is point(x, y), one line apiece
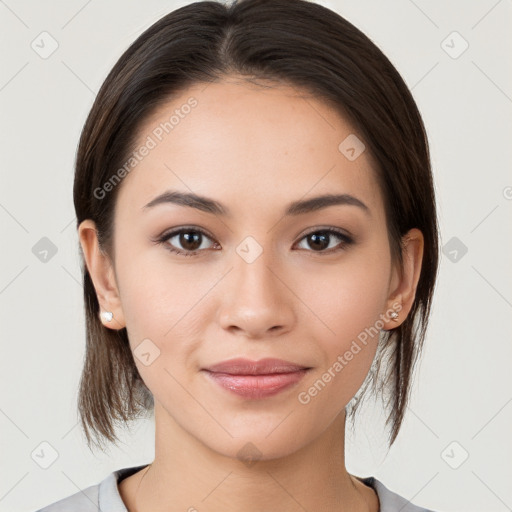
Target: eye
point(190, 239)
point(321, 239)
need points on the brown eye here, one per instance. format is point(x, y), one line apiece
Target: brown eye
point(321, 240)
point(190, 240)
point(185, 241)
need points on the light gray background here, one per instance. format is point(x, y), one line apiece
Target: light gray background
point(463, 389)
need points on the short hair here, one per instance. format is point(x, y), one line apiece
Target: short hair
point(293, 42)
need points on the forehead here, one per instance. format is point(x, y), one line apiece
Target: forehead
point(248, 146)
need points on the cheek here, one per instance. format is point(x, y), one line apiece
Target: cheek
point(155, 294)
point(164, 313)
point(348, 297)
point(349, 303)
point(348, 347)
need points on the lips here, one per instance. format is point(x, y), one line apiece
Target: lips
point(267, 366)
point(256, 379)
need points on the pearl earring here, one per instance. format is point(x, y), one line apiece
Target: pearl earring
point(107, 315)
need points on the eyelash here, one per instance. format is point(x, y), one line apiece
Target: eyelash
point(346, 240)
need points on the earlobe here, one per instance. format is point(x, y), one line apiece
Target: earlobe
point(102, 275)
point(402, 294)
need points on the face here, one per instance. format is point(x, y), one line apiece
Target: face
point(251, 279)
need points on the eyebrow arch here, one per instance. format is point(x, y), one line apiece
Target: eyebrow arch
point(295, 208)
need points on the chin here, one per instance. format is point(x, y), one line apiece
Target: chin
point(252, 445)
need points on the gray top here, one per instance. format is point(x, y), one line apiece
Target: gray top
point(105, 496)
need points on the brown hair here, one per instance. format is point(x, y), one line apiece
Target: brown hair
point(295, 42)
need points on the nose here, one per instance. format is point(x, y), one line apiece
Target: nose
point(256, 303)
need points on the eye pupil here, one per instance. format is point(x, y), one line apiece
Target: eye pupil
point(319, 241)
point(189, 239)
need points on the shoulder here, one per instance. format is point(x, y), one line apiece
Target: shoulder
point(103, 496)
point(389, 500)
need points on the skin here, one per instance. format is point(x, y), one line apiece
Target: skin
point(254, 150)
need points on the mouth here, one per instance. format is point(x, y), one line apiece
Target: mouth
point(267, 366)
point(256, 379)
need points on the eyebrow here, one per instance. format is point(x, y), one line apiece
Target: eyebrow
point(300, 207)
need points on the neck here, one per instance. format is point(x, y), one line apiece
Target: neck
point(187, 475)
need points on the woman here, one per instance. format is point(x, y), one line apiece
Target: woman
point(257, 220)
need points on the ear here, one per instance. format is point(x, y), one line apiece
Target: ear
point(102, 274)
point(403, 284)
